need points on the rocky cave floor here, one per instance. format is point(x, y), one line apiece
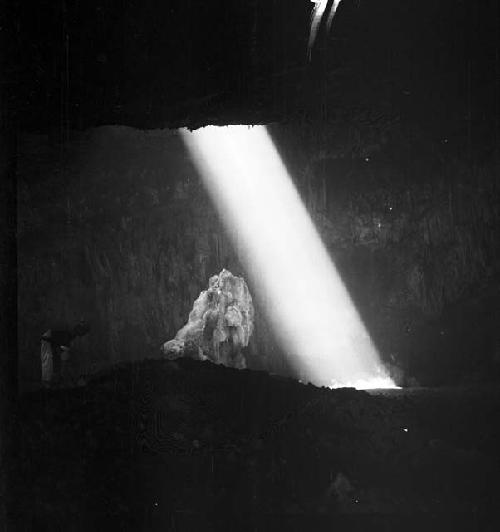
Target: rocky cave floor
point(184, 445)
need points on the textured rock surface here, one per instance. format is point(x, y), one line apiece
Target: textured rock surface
point(220, 324)
point(117, 227)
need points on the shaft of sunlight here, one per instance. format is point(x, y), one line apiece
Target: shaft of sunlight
point(304, 298)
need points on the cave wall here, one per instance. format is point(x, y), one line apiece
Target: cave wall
point(411, 219)
point(115, 226)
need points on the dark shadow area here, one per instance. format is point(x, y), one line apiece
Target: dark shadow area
point(159, 445)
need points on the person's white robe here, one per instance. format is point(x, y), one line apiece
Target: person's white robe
point(47, 359)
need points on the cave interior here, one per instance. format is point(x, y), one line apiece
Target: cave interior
point(390, 132)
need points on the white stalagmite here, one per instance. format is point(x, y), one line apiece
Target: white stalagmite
point(220, 324)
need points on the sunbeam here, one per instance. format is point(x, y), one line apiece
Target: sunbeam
point(304, 297)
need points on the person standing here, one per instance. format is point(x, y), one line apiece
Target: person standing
point(55, 349)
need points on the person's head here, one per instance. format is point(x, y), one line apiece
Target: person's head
point(81, 328)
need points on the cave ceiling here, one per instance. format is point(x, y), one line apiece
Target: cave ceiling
point(156, 64)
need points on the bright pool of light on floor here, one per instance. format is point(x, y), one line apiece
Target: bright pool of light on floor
point(374, 383)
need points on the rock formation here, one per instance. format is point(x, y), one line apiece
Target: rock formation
point(220, 324)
